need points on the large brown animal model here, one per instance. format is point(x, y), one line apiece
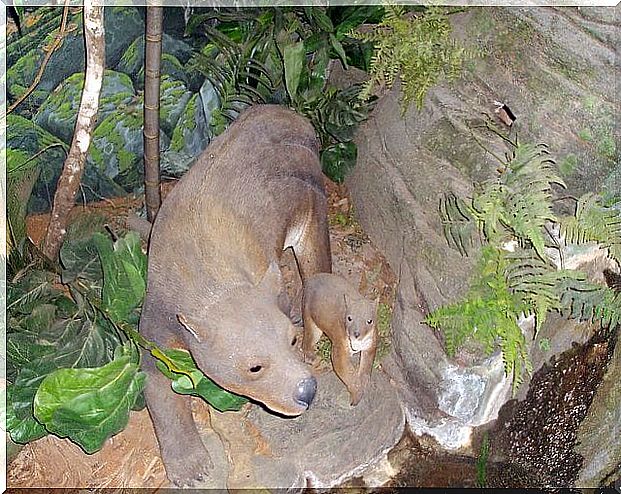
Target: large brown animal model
point(214, 286)
point(333, 307)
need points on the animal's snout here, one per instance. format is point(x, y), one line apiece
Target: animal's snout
point(356, 334)
point(306, 391)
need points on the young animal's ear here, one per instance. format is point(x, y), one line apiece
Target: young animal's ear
point(272, 279)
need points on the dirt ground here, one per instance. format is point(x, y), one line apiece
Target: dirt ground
point(131, 458)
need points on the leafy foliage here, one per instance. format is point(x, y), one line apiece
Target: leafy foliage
point(415, 46)
point(488, 313)
point(73, 363)
point(516, 273)
point(594, 222)
point(188, 380)
point(89, 405)
point(281, 55)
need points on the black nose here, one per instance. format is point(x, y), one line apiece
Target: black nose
point(306, 391)
point(356, 334)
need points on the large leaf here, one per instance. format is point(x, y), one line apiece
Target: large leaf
point(125, 268)
point(85, 340)
point(198, 384)
point(20, 422)
point(78, 254)
point(34, 288)
point(293, 56)
point(89, 405)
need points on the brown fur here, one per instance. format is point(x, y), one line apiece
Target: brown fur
point(213, 277)
point(333, 307)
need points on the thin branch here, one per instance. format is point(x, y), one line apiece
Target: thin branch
point(73, 168)
point(55, 45)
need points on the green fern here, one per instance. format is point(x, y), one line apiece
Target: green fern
point(591, 302)
point(594, 222)
point(237, 71)
point(537, 283)
point(517, 206)
point(416, 47)
point(488, 314)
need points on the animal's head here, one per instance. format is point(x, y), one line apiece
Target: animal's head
point(360, 316)
point(245, 343)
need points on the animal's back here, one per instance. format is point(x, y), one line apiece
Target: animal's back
point(240, 202)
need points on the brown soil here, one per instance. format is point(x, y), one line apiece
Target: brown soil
point(131, 458)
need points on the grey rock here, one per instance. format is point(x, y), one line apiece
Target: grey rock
point(557, 77)
point(191, 135)
point(173, 98)
point(122, 25)
point(322, 448)
point(174, 53)
point(59, 111)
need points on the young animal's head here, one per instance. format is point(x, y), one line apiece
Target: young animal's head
point(359, 322)
point(245, 343)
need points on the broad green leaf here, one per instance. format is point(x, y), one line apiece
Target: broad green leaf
point(20, 422)
point(124, 266)
point(340, 51)
point(205, 388)
point(78, 254)
point(89, 405)
point(293, 56)
point(320, 17)
point(34, 288)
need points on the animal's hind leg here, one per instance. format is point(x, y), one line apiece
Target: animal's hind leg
point(312, 252)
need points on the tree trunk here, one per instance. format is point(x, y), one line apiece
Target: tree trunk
point(153, 54)
point(73, 168)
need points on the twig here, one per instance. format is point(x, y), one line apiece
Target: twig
point(59, 37)
point(38, 153)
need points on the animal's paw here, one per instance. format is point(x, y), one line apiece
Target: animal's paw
point(355, 395)
point(189, 469)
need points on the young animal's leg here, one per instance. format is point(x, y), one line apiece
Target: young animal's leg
point(364, 370)
point(312, 334)
point(345, 370)
point(185, 458)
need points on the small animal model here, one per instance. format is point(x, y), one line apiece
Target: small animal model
point(334, 307)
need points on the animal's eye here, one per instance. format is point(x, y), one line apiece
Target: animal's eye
point(256, 368)
point(369, 321)
point(294, 340)
point(349, 319)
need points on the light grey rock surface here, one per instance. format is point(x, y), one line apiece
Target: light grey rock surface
point(555, 68)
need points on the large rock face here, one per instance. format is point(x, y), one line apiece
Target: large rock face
point(555, 68)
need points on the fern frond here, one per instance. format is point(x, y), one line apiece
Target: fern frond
point(489, 207)
point(537, 283)
point(592, 302)
point(458, 223)
point(594, 222)
point(488, 314)
point(417, 48)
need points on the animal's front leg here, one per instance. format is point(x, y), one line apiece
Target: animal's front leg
point(185, 458)
point(345, 369)
point(363, 375)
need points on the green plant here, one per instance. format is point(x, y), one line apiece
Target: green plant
point(482, 462)
point(414, 46)
point(281, 55)
point(72, 344)
point(517, 273)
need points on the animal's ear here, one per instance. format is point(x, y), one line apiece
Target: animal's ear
point(272, 279)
